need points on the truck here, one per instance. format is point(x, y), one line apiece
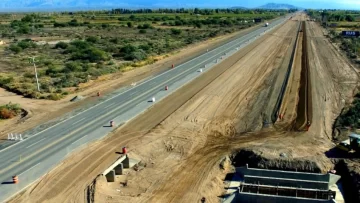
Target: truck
point(351, 144)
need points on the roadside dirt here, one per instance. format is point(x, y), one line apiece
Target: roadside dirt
point(41, 111)
point(183, 148)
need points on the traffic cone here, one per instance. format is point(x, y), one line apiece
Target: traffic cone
point(15, 179)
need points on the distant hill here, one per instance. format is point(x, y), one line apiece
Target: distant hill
point(278, 6)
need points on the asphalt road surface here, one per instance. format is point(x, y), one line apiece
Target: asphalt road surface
point(42, 148)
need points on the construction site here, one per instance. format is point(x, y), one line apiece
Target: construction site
point(254, 128)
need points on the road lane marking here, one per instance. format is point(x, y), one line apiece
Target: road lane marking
point(35, 143)
point(78, 121)
point(30, 168)
point(108, 105)
point(79, 139)
point(134, 93)
point(101, 117)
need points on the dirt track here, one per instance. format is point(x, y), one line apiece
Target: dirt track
point(201, 123)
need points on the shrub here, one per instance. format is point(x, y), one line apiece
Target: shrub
point(129, 24)
point(61, 45)
point(55, 96)
point(24, 44)
point(142, 31)
point(72, 67)
point(175, 31)
point(56, 24)
point(9, 110)
point(24, 29)
point(92, 39)
point(6, 113)
point(14, 48)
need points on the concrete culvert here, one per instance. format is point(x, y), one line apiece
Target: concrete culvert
point(77, 98)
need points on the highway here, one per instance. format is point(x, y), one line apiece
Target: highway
point(38, 149)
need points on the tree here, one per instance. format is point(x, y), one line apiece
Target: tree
point(129, 24)
point(349, 18)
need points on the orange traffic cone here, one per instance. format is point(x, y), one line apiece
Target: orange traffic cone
point(15, 179)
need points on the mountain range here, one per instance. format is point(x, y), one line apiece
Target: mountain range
point(53, 5)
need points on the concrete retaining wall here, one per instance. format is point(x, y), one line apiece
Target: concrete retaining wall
point(286, 182)
point(258, 198)
point(283, 174)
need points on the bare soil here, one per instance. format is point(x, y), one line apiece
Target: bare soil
point(184, 141)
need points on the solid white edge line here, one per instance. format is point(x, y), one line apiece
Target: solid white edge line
point(78, 121)
point(35, 143)
point(29, 168)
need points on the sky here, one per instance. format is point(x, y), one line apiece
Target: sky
point(42, 4)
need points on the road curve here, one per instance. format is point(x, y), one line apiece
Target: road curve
point(37, 154)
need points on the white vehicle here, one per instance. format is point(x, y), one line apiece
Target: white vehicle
point(266, 24)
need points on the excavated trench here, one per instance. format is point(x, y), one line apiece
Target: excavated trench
point(304, 108)
point(243, 156)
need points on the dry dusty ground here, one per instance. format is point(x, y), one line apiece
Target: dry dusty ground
point(182, 150)
point(333, 80)
point(40, 111)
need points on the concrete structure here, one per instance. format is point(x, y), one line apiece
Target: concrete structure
point(119, 169)
point(262, 185)
point(110, 177)
point(47, 145)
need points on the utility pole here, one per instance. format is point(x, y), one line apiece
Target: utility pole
point(36, 76)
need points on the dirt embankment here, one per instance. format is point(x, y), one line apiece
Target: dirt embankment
point(194, 127)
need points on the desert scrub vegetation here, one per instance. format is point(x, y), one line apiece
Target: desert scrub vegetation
point(9, 110)
point(336, 21)
point(74, 47)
